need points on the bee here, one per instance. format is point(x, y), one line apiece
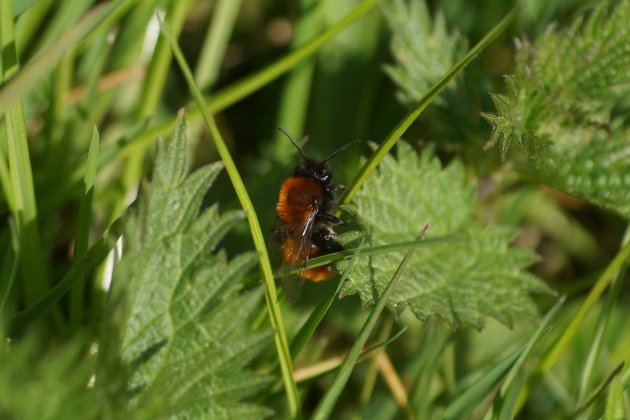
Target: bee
point(305, 211)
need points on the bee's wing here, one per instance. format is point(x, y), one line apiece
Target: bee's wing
point(296, 244)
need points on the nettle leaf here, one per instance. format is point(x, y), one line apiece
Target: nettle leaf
point(460, 282)
point(598, 172)
point(422, 47)
point(184, 328)
point(563, 106)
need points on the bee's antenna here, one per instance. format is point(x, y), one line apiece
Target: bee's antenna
point(342, 149)
point(286, 133)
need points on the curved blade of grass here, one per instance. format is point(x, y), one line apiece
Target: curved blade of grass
point(598, 391)
point(423, 368)
point(329, 366)
point(394, 383)
point(602, 324)
point(571, 331)
point(241, 89)
point(313, 321)
point(44, 62)
point(27, 26)
point(371, 373)
point(91, 259)
point(298, 85)
point(82, 239)
point(381, 344)
point(5, 178)
point(509, 400)
point(381, 249)
point(21, 6)
point(412, 115)
point(216, 42)
point(501, 404)
point(615, 406)
point(161, 59)
point(66, 14)
point(9, 266)
point(271, 296)
point(326, 405)
point(235, 93)
point(470, 398)
point(32, 255)
point(308, 329)
point(33, 273)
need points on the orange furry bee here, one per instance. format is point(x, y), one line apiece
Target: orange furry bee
point(305, 210)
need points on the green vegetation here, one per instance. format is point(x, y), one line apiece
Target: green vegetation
point(479, 280)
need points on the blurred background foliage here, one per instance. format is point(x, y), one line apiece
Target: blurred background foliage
point(121, 78)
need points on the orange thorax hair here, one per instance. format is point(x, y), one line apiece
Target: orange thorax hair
point(299, 197)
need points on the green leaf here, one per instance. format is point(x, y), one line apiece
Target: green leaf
point(598, 171)
point(564, 106)
point(184, 320)
point(460, 282)
point(422, 47)
point(396, 133)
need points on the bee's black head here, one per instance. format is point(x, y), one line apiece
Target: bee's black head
point(314, 169)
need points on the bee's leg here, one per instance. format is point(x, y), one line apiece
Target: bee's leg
point(327, 240)
point(330, 218)
point(349, 211)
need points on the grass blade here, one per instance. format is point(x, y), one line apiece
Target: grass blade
point(468, 400)
point(44, 62)
point(161, 61)
point(502, 404)
point(271, 296)
point(20, 172)
point(394, 383)
point(599, 390)
point(20, 6)
point(313, 321)
point(371, 374)
point(9, 266)
point(423, 367)
point(602, 324)
point(296, 92)
point(326, 405)
point(380, 249)
point(576, 323)
point(32, 255)
point(92, 258)
point(241, 89)
point(236, 92)
point(412, 115)
point(216, 42)
point(5, 177)
point(26, 27)
point(332, 364)
point(615, 407)
point(82, 239)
